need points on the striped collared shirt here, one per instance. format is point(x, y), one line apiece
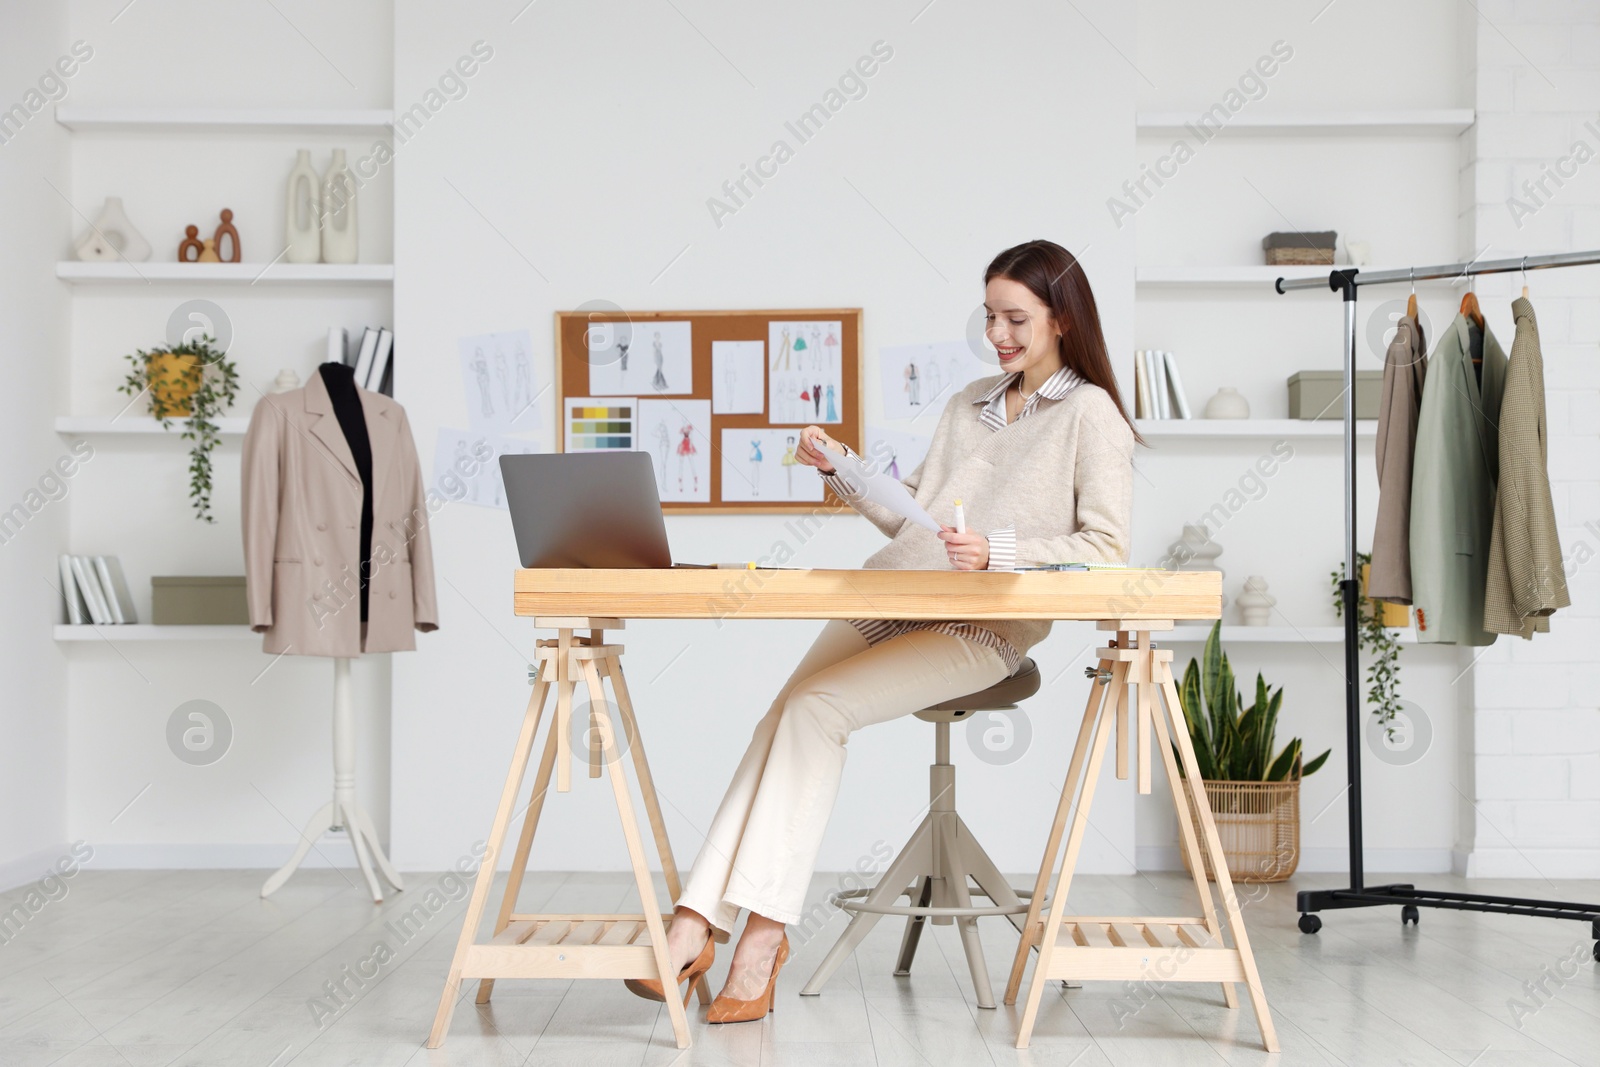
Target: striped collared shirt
point(1002, 542)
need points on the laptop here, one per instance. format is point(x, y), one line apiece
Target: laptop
point(586, 509)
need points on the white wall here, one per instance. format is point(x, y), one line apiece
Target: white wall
point(33, 330)
point(572, 173)
point(128, 795)
point(1536, 757)
point(568, 174)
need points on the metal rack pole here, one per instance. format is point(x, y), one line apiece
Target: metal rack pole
point(1346, 281)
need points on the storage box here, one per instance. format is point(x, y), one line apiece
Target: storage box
point(1300, 249)
point(199, 600)
point(1315, 394)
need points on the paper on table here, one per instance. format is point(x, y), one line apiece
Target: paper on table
point(877, 487)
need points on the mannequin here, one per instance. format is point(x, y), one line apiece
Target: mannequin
point(344, 810)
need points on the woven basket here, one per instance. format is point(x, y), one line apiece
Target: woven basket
point(1299, 257)
point(1258, 824)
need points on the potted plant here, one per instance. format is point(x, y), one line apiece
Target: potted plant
point(195, 380)
point(1378, 637)
point(1253, 792)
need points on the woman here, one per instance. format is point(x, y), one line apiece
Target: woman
point(1041, 457)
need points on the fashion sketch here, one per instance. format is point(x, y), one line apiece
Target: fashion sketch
point(816, 399)
point(783, 352)
point(663, 446)
point(659, 382)
point(503, 373)
point(894, 465)
point(833, 412)
point(830, 345)
point(816, 348)
point(789, 462)
point(686, 454)
point(524, 391)
point(480, 370)
point(755, 466)
point(934, 384)
point(912, 383)
point(622, 367)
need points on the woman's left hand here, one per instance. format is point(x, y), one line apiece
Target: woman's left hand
point(967, 551)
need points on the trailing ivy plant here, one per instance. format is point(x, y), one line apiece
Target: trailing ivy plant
point(1230, 744)
point(1383, 643)
point(214, 381)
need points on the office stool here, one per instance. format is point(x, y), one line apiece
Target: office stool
point(933, 868)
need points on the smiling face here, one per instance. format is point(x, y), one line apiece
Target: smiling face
point(1019, 326)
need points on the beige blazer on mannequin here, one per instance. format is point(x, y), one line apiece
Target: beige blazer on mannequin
point(301, 517)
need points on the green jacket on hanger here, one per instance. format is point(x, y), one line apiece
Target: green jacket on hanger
point(1453, 476)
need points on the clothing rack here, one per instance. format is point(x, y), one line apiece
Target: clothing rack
point(1359, 895)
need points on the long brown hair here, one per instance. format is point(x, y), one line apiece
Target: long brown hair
point(1055, 276)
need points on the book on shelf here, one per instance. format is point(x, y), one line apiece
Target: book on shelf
point(338, 346)
point(115, 587)
point(1141, 387)
point(89, 585)
point(365, 355)
point(386, 385)
point(77, 605)
point(1179, 397)
point(380, 360)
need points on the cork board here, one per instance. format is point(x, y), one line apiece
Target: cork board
point(681, 385)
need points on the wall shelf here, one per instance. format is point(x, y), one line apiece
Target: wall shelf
point(138, 425)
point(1264, 635)
point(1414, 121)
point(78, 117)
point(1245, 276)
point(148, 632)
point(1295, 428)
point(152, 272)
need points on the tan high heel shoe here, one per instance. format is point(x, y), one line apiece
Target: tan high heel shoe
point(729, 1010)
point(693, 971)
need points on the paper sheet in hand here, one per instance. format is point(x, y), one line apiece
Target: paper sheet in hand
point(877, 487)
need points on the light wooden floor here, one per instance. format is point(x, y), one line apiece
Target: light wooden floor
point(137, 969)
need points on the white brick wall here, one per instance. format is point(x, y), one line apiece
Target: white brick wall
point(1536, 737)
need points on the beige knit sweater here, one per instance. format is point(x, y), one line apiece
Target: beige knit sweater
point(1062, 477)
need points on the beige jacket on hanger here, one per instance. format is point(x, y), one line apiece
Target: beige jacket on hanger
point(1527, 582)
point(301, 518)
point(1405, 367)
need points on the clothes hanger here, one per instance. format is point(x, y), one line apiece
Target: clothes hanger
point(1469, 302)
point(1411, 301)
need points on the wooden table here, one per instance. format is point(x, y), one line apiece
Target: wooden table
point(1131, 604)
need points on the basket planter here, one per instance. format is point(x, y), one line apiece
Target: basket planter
point(1258, 824)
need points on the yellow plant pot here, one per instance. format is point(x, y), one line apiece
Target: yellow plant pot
point(1391, 614)
point(174, 379)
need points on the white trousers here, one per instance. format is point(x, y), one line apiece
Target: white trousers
point(762, 845)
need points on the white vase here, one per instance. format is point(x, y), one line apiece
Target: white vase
point(303, 211)
point(1255, 603)
point(1227, 404)
point(339, 212)
point(112, 237)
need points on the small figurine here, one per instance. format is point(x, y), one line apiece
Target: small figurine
point(190, 242)
point(226, 229)
point(208, 252)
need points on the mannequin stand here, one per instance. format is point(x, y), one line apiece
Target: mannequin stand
point(343, 812)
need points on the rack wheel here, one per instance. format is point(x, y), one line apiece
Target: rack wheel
point(1409, 914)
point(1310, 924)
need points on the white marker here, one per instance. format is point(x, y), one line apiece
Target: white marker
point(961, 519)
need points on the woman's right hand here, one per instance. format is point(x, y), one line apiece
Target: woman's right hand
point(815, 445)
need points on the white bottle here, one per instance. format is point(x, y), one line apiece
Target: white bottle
point(339, 212)
point(303, 210)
